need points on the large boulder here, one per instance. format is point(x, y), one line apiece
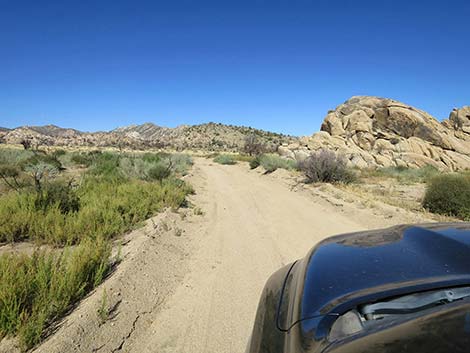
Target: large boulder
point(460, 119)
point(373, 131)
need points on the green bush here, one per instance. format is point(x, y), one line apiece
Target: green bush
point(154, 167)
point(13, 156)
point(81, 159)
point(159, 172)
point(42, 159)
point(225, 159)
point(180, 163)
point(60, 194)
point(36, 289)
point(325, 166)
point(272, 162)
point(151, 157)
point(59, 152)
point(106, 165)
point(255, 163)
point(449, 194)
point(243, 157)
point(11, 177)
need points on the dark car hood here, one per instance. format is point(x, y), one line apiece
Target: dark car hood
point(353, 269)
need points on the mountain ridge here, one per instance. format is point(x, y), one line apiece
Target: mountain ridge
point(207, 136)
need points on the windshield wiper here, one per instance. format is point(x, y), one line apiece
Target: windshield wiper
point(414, 302)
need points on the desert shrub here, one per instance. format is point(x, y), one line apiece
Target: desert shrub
point(255, 163)
point(159, 172)
point(107, 165)
point(241, 157)
point(137, 168)
point(253, 146)
point(42, 159)
point(81, 159)
point(10, 176)
point(19, 169)
point(13, 156)
point(272, 162)
point(326, 166)
point(180, 163)
point(225, 159)
point(154, 167)
point(37, 288)
point(58, 153)
point(60, 194)
point(405, 174)
point(212, 155)
point(40, 172)
point(151, 157)
point(449, 194)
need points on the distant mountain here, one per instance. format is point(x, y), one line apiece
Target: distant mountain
point(54, 131)
point(4, 129)
point(210, 136)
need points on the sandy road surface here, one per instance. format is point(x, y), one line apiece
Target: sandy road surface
point(254, 226)
point(190, 283)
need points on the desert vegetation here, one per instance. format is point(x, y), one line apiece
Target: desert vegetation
point(425, 189)
point(225, 159)
point(449, 194)
point(271, 162)
point(73, 205)
point(326, 166)
point(404, 175)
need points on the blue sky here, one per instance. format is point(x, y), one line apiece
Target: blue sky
point(278, 65)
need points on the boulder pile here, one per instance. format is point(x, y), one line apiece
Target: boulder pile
point(378, 132)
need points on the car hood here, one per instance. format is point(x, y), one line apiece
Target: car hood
point(348, 270)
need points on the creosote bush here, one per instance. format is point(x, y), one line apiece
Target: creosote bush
point(326, 166)
point(449, 194)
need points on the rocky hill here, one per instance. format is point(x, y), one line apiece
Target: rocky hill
point(210, 136)
point(372, 131)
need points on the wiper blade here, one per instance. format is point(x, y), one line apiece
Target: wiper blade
point(415, 302)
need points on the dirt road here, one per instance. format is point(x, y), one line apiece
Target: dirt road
point(198, 292)
point(254, 226)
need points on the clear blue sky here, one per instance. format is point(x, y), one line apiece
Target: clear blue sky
point(272, 64)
